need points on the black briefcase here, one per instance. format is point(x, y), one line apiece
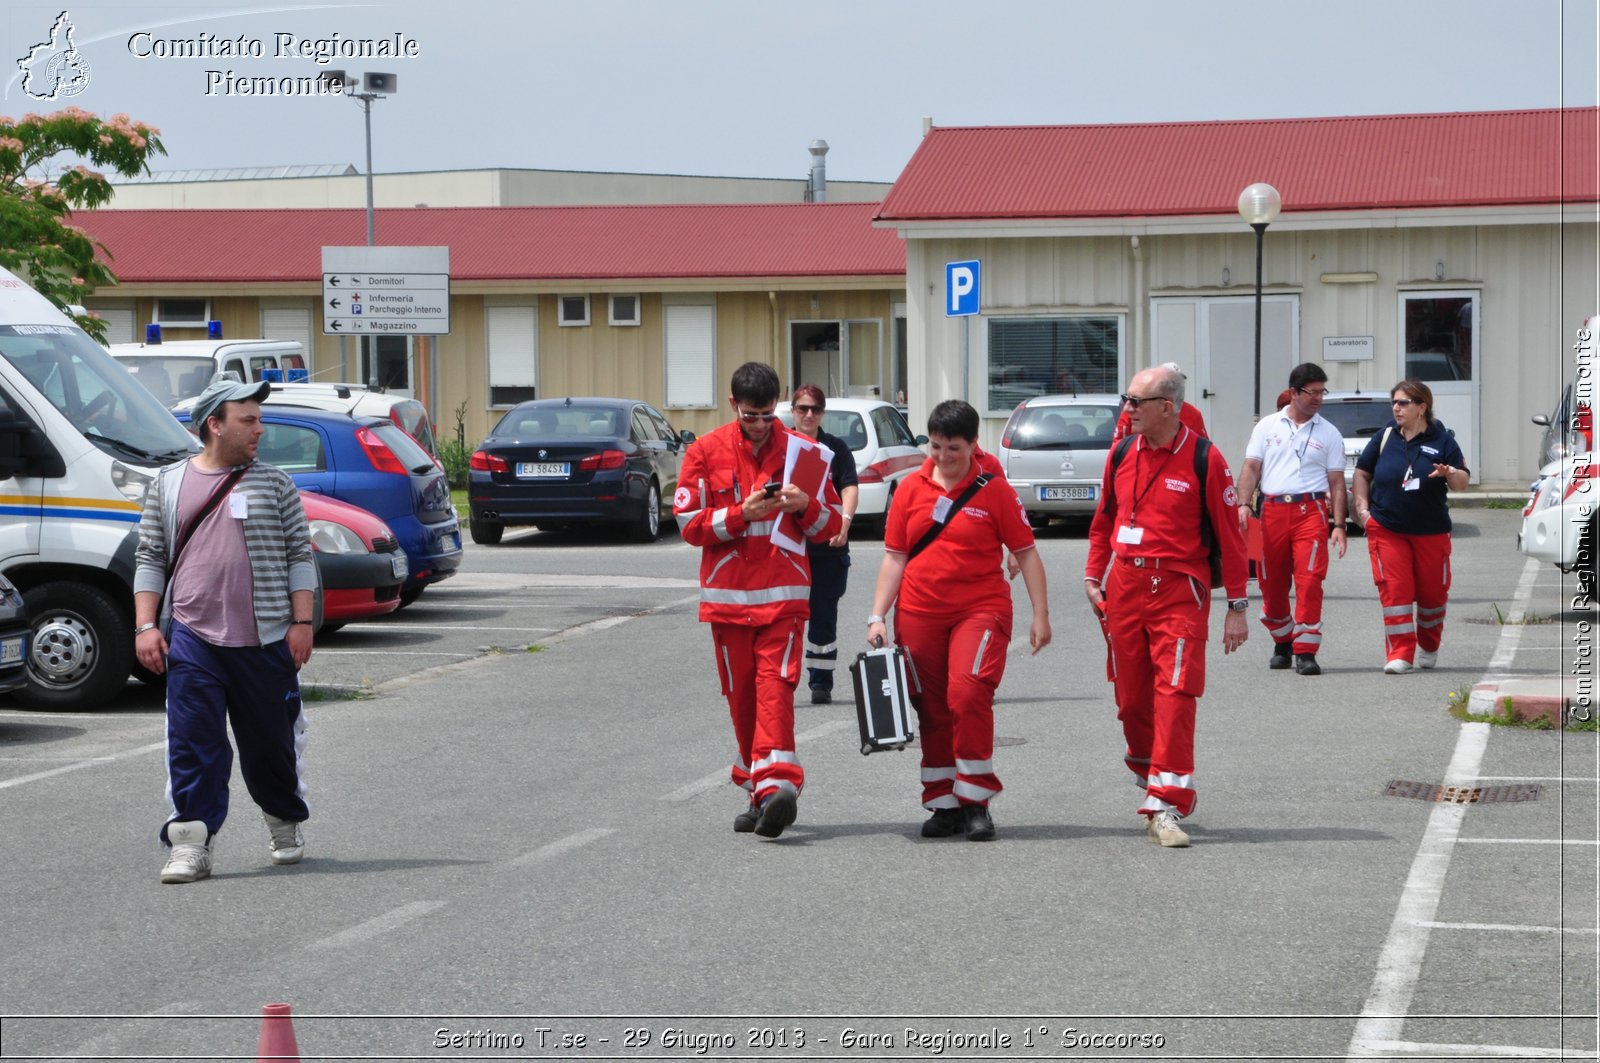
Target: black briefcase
point(883, 680)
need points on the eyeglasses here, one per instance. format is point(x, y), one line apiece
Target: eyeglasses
point(1401, 402)
point(1135, 401)
point(749, 417)
point(807, 409)
point(1316, 393)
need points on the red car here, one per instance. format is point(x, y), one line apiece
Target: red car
point(358, 557)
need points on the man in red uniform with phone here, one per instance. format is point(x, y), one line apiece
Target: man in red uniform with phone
point(755, 594)
point(1154, 531)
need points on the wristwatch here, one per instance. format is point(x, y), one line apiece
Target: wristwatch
point(874, 620)
point(1238, 605)
point(142, 628)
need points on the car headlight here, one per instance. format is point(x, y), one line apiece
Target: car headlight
point(130, 481)
point(333, 538)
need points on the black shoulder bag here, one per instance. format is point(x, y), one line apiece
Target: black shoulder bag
point(955, 507)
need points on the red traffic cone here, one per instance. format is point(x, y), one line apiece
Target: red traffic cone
point(277, 1034)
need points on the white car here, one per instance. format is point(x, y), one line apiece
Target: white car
point(885, 449)
point(1558, 524)
point(1358, 415)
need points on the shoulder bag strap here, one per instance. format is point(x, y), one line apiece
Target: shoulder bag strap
point(955, 507)
point(228, 483)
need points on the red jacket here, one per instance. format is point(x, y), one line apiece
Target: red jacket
point(744, 578)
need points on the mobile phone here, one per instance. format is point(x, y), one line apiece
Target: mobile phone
point(772, 487)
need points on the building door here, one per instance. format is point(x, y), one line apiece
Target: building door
point(1213, 339)
point(1439, 346)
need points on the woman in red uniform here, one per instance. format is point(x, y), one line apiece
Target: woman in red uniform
point(953, 612)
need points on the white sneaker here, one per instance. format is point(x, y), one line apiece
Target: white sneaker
point(1164, 830)
point(288, 845)
point(190, 858)
point(1398, 666)
point(1427, 658)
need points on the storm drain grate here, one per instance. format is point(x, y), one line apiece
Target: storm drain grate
point(1461, 795)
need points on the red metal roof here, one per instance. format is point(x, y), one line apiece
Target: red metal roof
point(1199, 168)
point(506, 243)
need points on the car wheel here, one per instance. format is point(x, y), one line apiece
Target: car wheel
point(332, 625)
point(409, 596)
point(485, 533)
point(80, 653)
point(648, 527)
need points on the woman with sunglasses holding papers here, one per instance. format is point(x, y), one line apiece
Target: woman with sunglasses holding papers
point(1400, 488)
point(830, 561)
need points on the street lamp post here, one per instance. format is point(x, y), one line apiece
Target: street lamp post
point(1258, 206)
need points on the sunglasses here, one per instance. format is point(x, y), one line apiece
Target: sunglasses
point(1135, 401)
point(1316, 393)
point(807, 409)
point(1401, 402)
point(752, 418)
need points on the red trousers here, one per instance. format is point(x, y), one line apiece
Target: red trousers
point(1412, 573)
point(1294, 546)
point(1158, 625)
point(959, 661)
point(759, 667)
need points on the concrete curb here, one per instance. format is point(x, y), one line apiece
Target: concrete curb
point(1527, 699)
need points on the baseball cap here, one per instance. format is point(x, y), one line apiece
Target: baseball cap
point(219, 391)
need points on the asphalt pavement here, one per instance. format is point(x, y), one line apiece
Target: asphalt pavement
point(526, 827)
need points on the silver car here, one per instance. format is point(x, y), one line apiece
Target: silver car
point(1358, 415)
point(1053, 451)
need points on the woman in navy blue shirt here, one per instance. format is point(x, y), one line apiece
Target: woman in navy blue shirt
point(1400, 488)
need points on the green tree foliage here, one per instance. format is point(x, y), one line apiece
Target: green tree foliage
point(37, 242)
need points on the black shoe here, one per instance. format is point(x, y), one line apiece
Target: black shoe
point(745, 822)
point(945, 823)
point(778, 812)
point(1306, 664)
point(1282, 653)
point(980, 827)
point(821, 697)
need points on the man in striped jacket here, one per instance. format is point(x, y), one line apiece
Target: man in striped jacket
point(754, 593)
point(225, 554)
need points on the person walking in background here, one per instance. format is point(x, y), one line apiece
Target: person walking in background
point(753, 592)
point(1402, 481)
point(225, 553)
point(1166, 500)
point(830, 561)
point(942, 572)
point(1297, 459)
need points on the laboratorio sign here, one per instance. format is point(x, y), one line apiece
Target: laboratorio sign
point(320, 50)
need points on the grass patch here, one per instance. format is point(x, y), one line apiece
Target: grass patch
point(536, 648)
point(1502, 503)
point(1527, 618)
point(458, 498)
point(1509, 718)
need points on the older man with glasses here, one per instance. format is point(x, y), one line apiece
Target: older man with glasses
point(1297, 458)
point(754, 593)
point(1167, 499)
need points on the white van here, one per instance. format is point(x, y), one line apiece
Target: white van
point(79, 440)
point(181, 369)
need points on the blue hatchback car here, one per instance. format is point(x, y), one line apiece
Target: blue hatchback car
point(370, 462)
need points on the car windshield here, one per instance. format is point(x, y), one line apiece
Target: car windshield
point(171, 378)
point(407, 449)
point(1357, 419)
point(95, 392)
point(413, 417)
point(563, 421)
point(1083, 427)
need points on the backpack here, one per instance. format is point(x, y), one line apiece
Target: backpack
point(1202, 457)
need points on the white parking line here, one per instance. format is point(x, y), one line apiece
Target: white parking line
point(390, 653)
point(1539, 778)
point(1437, 1051)
point(387, 626)
point(1400, 962)
point(377, 925)
point(89, 763)
point(565, 845)
point(1516, 928)
point(1529, 841)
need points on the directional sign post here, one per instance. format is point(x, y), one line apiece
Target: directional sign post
point(402, 291)
point(962, 299)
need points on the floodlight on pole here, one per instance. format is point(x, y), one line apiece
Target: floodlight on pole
point(1259, 204)
point(373, 86)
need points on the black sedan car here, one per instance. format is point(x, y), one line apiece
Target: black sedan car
point(555, 463)
point(13, 638)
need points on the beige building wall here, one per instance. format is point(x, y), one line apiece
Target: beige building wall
point(1535, 282)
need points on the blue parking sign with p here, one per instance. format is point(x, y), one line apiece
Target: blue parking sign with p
point(961, 288)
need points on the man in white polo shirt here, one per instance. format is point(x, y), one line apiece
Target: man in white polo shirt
point(1297, 459)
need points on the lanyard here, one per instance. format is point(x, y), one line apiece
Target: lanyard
point(1138, 463)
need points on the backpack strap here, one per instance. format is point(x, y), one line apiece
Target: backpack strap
point(1109, 502)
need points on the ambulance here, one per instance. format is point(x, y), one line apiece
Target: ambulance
point(79, 440)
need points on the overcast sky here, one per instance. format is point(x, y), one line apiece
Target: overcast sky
point(741, 87)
